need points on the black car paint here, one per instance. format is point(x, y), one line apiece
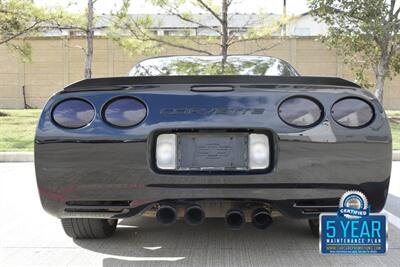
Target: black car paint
point(150, 82)
point(103, 163)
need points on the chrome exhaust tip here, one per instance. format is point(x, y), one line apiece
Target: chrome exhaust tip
point(194, 215)
point(166, 215)
point(234, 219)
point(261, 218)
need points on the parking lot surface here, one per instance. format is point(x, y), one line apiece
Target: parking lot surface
point(30, 237)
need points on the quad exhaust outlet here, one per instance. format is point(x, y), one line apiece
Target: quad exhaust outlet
point(235, 218)
point(166, 215)
point(194, 215)
point(261, 218)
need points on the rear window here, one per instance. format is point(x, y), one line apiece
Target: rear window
point(212, 65)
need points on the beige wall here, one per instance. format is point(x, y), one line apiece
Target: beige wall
point(57, 62)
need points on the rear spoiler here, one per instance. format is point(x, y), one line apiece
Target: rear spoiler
point(119, 83)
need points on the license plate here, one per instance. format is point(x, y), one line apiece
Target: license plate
point(212, 151)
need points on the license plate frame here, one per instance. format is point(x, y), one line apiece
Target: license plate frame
point(225, 151)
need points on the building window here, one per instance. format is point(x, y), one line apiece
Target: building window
point(237, 32)
point(202, 31)
point(177, 32)
point(302, 31)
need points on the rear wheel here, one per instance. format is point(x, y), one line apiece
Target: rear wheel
point(85, 228)
point(314, 227)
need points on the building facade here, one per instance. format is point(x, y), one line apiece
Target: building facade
point(56, 62)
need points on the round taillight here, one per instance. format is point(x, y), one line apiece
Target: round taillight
point(124, 112)
point(73, 113)
point(300, 111)
point(352, 112)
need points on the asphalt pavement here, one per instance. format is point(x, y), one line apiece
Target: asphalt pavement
point(30, 237)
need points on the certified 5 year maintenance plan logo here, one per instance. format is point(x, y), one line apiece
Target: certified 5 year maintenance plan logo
point(353, 230)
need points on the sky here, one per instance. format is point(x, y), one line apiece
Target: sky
point(294, 7)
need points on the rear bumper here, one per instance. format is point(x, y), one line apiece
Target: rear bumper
point(306, 176)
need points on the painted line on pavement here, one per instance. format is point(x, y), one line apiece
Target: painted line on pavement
point(147, 258)
point(393, 219)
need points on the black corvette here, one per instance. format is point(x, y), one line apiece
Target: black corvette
point(193, 137)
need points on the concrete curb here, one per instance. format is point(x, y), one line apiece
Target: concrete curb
point(396, 155)
point(16, 156)
point(28, 156)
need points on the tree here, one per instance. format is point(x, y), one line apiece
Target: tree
point(21, 18)
point(18, 18)
point(82, 24)
point(134, 32)
point(366, 30)
point(89, 39)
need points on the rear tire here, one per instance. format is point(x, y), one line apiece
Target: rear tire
point(314, 227)
point(85, 228)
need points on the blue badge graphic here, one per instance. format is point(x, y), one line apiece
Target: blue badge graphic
point(353, 230)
